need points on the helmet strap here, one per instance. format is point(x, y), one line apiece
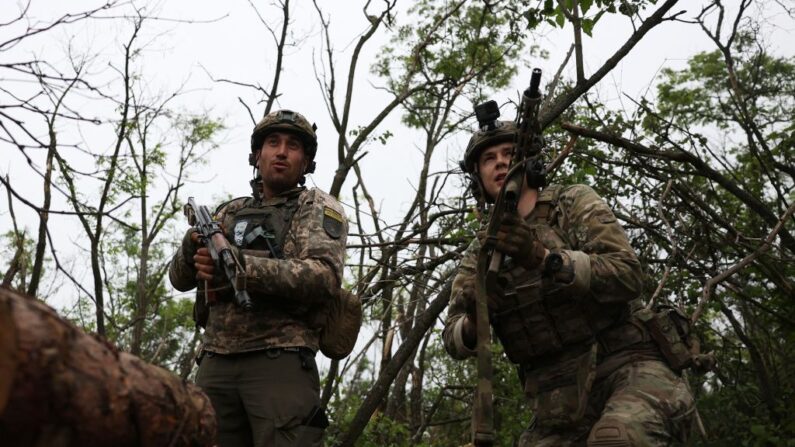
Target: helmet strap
point(477, 189)
point(256, 186)
point(310, 168)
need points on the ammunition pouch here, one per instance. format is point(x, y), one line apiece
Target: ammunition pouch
point(672, 332)
point(522, 323)
point(532, 324)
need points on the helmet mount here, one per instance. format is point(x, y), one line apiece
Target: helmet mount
point(487, 114)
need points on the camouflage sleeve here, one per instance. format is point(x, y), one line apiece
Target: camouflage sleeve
point(456, 312)
point(314, 273)
point(181, 271)
point(605, 265)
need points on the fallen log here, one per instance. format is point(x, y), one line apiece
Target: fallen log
point(62, 387)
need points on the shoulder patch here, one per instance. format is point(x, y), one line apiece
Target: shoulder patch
point(332, 222)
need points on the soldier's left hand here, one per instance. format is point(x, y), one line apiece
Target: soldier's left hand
point(518, 240)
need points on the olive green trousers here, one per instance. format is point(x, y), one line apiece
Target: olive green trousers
point(264, 398)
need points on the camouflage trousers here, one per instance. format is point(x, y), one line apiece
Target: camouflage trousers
point(642, 403)
point(264, 398)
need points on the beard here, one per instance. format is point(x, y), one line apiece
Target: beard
point(281, 182)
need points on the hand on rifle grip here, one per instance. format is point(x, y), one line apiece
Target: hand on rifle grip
point(205, 268)
point(518, 240)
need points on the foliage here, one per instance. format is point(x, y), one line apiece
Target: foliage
point(704, 181)
point(719, 133)
point(555, 13)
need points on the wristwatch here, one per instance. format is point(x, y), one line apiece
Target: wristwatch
point(553, 263)
point(556, 267)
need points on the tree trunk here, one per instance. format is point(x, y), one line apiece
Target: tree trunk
point(41, 242)
point(61, 387)
point(381, 386)
point(99, 288)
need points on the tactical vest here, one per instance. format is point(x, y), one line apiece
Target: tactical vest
point(264, 227)
point(533, 320)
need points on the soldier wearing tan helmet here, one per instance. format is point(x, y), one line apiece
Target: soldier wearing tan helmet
point(258, 366)
point(592, 370)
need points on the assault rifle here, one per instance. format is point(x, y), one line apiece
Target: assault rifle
point(211, 235)
point(526, 165)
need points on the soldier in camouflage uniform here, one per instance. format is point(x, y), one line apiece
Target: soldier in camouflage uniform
point(563, 313)
point(258, 366)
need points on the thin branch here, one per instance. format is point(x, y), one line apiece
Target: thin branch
point(563, 102)
point(717, 279)
point(672, 255)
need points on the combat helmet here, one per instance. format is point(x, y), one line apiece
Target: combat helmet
point(288, 121)
point(499, 132)
point(490, 132)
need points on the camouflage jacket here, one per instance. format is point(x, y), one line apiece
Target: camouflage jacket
point(289, 294)
point(606, 272)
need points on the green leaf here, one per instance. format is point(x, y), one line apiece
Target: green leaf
point(587, 26)
point(560, 19)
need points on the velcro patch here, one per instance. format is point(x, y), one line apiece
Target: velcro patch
point(332, 222)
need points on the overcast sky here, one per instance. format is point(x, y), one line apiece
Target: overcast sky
point(228, 41)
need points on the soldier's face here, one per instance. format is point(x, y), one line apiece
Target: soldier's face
point(281, 161)
point(493, 167)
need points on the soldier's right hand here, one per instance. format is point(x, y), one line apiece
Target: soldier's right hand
point(466, 290)
point(190, 243)
point(518, 240)
point(205, 268)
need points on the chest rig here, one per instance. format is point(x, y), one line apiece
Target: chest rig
point(263, 225)
point(533, 317)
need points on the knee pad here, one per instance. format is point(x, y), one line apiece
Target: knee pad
point(609, 432)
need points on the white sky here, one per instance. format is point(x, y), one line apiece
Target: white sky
point(233, 44)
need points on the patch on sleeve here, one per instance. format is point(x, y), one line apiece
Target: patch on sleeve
point(332, 222)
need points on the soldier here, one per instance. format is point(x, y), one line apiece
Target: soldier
point(258, 366)
point(562, 309)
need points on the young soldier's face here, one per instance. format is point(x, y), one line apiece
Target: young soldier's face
point(282, 161)
point(493, 167)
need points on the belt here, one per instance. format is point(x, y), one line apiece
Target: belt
point(270, 352)
point(300, 350)
point(621, 337)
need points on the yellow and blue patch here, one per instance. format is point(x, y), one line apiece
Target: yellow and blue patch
point(332, 222)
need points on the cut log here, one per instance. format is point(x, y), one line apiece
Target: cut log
point(62, 387)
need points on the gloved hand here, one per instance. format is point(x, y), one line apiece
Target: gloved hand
point(468, 295)
point(518, 240)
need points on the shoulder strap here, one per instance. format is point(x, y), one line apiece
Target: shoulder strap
point(269, 230)
point(225, 204)
point(291, 207)
point(547, 202)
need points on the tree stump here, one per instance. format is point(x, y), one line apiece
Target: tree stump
point(62, 387)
